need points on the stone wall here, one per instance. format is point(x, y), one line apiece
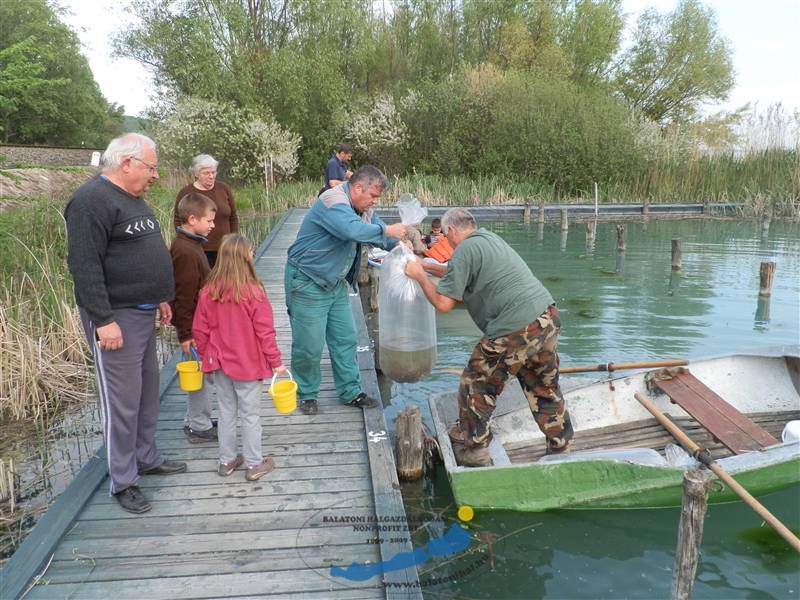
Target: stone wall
point(11, 154)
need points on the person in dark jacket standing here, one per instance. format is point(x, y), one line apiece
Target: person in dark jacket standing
point(337, 171)
point(123, 275)
point(190, 266)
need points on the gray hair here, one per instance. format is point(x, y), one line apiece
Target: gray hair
point(458, 218)
point(203, 161)
point(369, 176)
point(130, 145)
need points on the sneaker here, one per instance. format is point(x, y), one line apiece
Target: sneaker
point(168, 467)
point(362, 401)
point(198, 437)
point(132, 500)
point(309, 407)
point(226, 469)
point(456, 435)
point(259, 470)
point(477, 456)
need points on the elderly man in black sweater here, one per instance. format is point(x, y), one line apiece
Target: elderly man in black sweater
point(123, 275)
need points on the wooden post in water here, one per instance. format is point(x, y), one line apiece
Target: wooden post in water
point(410, 445)
point(677, 255)
point(526, 214)
point(767, 276)
point(646, 207)
point(541, 212)
point(690, 533)
point(564, 220)
point(620, 238)
point(591, 229)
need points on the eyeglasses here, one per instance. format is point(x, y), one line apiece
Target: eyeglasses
point(151, 168)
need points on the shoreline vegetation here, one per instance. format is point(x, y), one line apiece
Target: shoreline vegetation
point(44, 363)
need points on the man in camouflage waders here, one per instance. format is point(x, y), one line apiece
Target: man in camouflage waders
point(521, 324)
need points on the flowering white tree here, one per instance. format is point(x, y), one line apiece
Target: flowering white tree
point(379, 134)
point(240, 140)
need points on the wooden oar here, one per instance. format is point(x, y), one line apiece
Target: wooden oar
point(604, 367)
point(623, 366)
point(704, 457)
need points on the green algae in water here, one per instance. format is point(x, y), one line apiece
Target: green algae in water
point(580, 301)
point(588, 313)
point(772, 547)
point(552, 278)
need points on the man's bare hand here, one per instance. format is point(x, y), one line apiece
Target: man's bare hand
point(166, 313)
point(109, 337)
point(414, 270)
point(396, 230)
point(186, 347)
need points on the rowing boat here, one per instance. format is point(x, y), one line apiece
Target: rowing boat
point(746, 408)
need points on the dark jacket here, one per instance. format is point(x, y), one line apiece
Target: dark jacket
point(190, 266)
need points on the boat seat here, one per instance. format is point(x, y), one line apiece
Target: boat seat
point(728, 426)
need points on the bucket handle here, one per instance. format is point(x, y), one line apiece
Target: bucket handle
point(274, 375)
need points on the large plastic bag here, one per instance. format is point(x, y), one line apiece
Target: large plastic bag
point(411, 212)
point(406, 321)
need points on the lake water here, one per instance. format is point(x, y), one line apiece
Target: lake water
point(613, 310)
point(626, 309)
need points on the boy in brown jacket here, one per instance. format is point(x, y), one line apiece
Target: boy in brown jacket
point(189, 263)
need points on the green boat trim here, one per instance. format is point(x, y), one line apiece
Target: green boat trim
point(625, 476)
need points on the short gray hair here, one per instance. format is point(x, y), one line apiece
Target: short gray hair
point(130, 145)
point(458, 218)
point(203, 161)
point(369, 176)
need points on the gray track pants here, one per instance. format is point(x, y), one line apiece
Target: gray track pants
point(242, 398)
point(127, 395)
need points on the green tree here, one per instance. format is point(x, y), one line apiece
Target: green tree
point(677, 61)
point(62, 103)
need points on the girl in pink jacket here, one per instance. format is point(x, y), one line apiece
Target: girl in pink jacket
point(235, 336)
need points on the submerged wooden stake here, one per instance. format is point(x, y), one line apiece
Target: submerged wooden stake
point(541, 213)
point(526, 214)
point(677, 255)
point(620, 238)
point(767, 275)
point(690, 532)
point(564, 220)
point(410, 444)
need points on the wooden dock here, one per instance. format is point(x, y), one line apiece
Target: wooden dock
point(214, 537)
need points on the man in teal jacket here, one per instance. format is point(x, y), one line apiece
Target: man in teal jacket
point(322, 266)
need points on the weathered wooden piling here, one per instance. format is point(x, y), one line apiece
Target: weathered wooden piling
point(690, 532)
point(541, 212)
point(677, 255)
point(410, 444)
point(540, 233)
point(620, 238)
point(564, 219)
point(363, 274)
point(591, 229)
point(646, 207)
point(526, 214)
point(767, 275)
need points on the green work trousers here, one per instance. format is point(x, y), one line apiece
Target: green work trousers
point(320, 317)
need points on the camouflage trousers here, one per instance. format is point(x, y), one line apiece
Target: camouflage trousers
point(531, 355)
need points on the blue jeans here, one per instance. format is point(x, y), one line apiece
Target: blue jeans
point(320, 317)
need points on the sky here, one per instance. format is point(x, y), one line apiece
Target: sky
point(762, 33)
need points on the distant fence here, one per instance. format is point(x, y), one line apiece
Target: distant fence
point(12, 154)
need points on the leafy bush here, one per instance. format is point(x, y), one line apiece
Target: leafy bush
point(236, 137)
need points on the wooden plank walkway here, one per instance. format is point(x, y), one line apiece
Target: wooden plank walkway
point(212, 537)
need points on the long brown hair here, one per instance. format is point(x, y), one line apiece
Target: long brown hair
point(233, 278)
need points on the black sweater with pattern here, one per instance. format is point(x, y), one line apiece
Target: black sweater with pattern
point(115, 251)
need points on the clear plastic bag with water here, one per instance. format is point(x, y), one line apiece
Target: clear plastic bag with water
point(411, 211)
point(406, 322)
point(678, 457)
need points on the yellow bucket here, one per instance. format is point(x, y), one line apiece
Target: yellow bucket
point(190, 377)
point(284, 394)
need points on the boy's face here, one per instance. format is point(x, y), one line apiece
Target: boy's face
point(436, 230)
point(201, 225)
